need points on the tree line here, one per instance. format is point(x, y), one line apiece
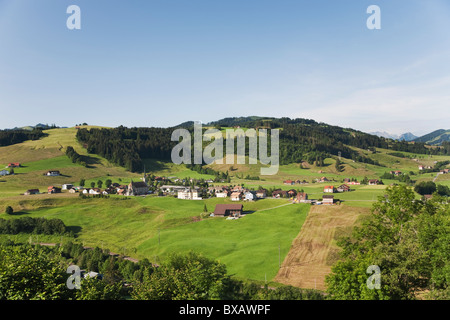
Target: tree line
point(300, 140)
point(32, 225)
point(9, 137)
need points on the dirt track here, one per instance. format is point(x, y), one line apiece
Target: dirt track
point(306, 264)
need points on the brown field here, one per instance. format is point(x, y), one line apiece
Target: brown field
point(314, 250)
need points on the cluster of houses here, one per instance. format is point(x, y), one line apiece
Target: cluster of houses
point(132, 189)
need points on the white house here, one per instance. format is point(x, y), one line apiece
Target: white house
point(67, 186)
point(250, 196)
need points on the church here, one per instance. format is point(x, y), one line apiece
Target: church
point(137, 188)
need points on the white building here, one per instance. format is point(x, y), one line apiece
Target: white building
point(67, 186)
point(189, 194)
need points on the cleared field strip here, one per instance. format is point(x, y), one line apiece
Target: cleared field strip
point(307, 263)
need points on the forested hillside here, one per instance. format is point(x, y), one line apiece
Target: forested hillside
point(300, 140)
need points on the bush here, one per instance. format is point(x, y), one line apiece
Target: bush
point(9, 210)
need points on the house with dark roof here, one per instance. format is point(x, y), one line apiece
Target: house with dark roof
point(225, 210)
point(53, 189)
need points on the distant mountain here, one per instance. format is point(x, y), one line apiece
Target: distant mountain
point(407, 137)
point(435, 137)
point(385, 134)
point(403, 137)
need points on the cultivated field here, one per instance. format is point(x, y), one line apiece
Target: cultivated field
point(314, 250)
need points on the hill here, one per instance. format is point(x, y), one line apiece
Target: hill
point(437, 137)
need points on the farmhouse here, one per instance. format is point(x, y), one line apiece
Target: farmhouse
point(329, 189)
point(328, 199)
point(373, 182)
point(31, 191)
point(53, 189)
point(343, 188)
point(224, 210)
point(14, 165)
point(396, 173)
point(52, 173)
point(73, 190)
point(289, 182)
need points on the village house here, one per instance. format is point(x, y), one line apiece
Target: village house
point(73, 190)
point(279, 193)
point(224, 210)
point(302, 197)
point(236, 196)
point(222, 194)
point(329, 189)
point(292, 193)
point(121, 191)
point(31, 191)
point(53, 189)
point(288, 182)
point(328, 199)
point(373, 182)
point(95, 191)
point(238, 189)
point(250, 196)
point(261, 194)
point(396, 173)
point(67, 186)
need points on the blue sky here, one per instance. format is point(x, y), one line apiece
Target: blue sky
point(159, 63)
